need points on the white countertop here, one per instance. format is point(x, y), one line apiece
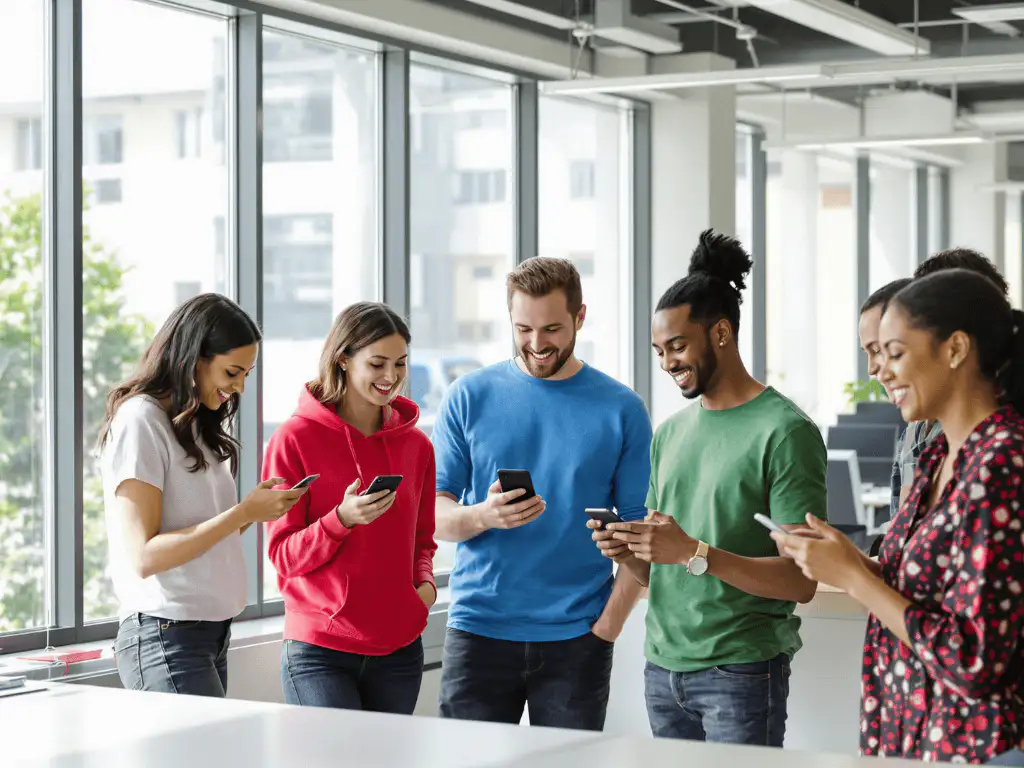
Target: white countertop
point(76, 726)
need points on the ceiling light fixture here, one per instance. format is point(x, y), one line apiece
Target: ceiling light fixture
point(868, 142)
point(806, 74)
point(997, 12)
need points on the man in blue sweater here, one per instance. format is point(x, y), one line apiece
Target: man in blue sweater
point(535, 608)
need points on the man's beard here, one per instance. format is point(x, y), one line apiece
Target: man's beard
point(702, 373)
point(548, 369)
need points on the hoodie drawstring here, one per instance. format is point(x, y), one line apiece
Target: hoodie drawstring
point(355, 458)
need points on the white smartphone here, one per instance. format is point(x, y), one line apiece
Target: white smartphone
point(770, 524)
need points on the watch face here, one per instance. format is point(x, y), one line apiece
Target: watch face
point(697, 566)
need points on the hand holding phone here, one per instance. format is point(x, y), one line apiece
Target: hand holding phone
point(603, 516)
point(387, 483)
point(605, 540)
point(267, 503)
point(511, 501)
point(363, 508)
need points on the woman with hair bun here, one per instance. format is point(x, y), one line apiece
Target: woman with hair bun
point(943, 674)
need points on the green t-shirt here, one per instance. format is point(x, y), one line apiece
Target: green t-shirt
point(711, 471)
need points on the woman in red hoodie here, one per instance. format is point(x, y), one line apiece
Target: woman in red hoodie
point(355, 571)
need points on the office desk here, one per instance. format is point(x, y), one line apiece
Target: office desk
point(73, 726)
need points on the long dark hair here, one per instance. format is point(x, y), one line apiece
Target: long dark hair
point(202, 328)
point(963, 300)
point(356, 327)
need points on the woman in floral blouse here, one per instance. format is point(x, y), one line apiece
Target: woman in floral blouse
point(943, 669)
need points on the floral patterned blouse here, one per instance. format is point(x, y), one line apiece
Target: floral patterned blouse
point(958, 694)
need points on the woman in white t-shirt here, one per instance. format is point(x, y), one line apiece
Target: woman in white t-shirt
point(172, 511)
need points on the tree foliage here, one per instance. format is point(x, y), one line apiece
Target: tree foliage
point(112, 342)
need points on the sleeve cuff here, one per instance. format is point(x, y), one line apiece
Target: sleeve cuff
point(425, 575)
point(333, 527)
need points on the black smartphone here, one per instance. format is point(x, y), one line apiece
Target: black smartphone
point(304, 482)
point(604, 516)
point(383, 483)
point(514, 479)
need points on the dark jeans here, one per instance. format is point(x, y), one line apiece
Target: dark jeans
point(565, 683)
point(322, 677)
point(732, 703)
point(169, 656)
point(1013, 757)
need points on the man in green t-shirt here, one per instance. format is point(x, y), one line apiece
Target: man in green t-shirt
point(720, 625)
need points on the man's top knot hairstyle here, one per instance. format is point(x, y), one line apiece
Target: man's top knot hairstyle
point(714, 283)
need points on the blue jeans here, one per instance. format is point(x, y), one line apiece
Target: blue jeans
point(732, 703)
point(565, 683)
point(169, 656)
point(321, 677)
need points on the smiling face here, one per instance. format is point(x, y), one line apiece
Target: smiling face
point(545, 331)
point(868, 330)
point(375, 373)
point(918, 368)
point(684, 350)
point(222, 377)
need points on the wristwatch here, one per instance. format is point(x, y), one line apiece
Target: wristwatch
point(698, 564)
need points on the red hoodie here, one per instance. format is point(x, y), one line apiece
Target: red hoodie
point(353, 590)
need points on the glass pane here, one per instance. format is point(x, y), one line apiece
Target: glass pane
point(811, 281)
point(23, 544)
point(462, 239)
point(935, 210)
point(893, 214)
point(745, 234)
point(584, 201)
point(319, 210)
point(1012, 246)
point(150, 214)
point(837, 309)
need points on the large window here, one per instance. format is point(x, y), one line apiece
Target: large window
point(1013, 245)
point(936, 211)
point(319, 209)
point(149, 235)
point(893, 222)
point(461, 249)
point(24, 601)
point(584, 186)
point(811, 281)
point(745, 233)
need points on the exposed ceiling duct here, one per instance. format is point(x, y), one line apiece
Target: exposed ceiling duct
point(849, 23)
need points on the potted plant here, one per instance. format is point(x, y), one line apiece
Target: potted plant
point(869, 391)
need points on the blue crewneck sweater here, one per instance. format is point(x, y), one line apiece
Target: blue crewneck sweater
point(586, 442)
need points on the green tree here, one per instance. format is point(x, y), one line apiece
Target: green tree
point(112, 342)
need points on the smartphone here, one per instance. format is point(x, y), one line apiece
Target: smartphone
point(304, 482)
point(770, 524)
point(383, 483)
point(514, 479)
point(604, 516)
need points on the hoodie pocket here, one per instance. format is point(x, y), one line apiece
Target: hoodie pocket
point(377, 609)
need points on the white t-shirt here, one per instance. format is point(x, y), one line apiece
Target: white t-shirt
point(142, 446)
